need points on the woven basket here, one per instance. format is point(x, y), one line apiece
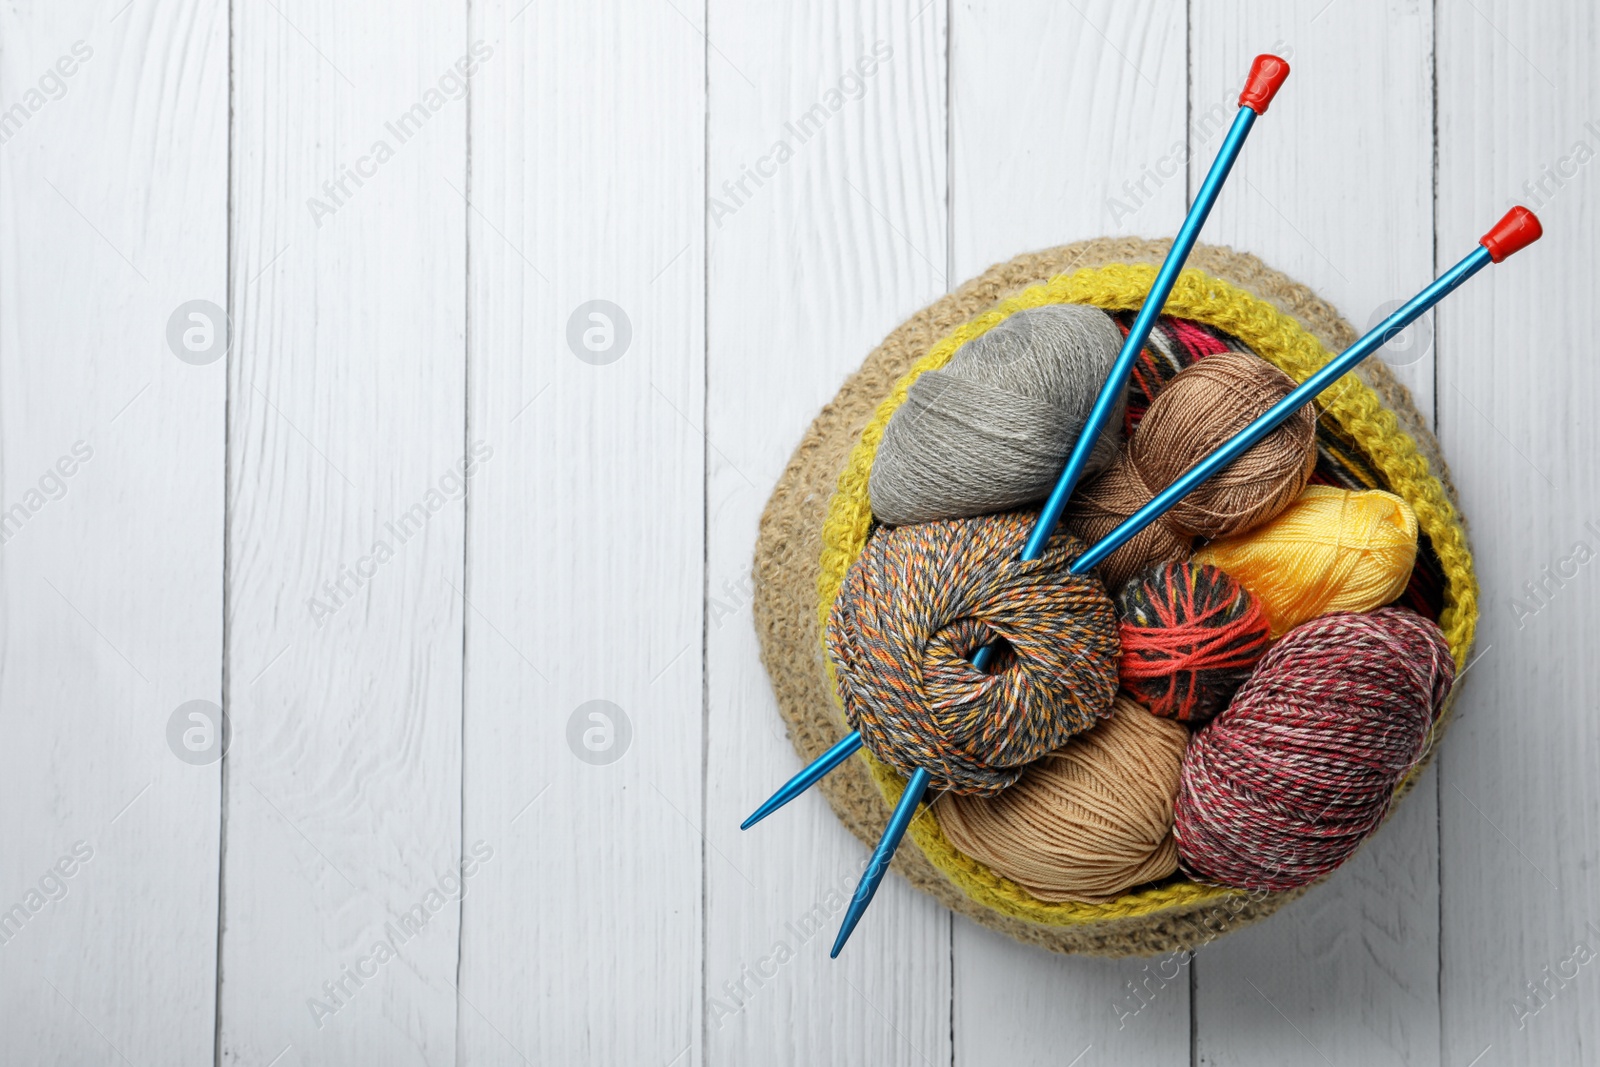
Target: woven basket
point(818, 518)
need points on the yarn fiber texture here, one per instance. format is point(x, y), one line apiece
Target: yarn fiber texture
point(1341, 460)
point(819, 517)
point(1173, 345)
point(1089, 820)
point(921, 600)
point(1301, 767)
point(991, 430)
point(1190, 636)
point(1331, 550)
point(1199, 410)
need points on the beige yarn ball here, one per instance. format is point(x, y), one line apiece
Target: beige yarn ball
point(1087, 822)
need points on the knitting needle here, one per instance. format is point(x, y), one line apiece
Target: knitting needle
point(1515, 231)
point(1518, 229)
point(1267, 75)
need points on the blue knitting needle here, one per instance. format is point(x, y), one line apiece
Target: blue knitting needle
point(1518, 229)
point(1267, 74)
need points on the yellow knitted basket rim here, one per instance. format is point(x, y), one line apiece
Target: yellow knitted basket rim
point(1274, 336)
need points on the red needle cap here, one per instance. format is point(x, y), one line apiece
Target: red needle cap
point(1519, 229)
point(1266, 78)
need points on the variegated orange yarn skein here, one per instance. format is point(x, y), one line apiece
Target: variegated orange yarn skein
point(921, 600)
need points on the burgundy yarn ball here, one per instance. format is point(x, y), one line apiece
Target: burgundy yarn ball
point(1285, 784)
point(1190, 636)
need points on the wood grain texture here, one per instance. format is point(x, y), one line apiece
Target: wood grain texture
point(582, 938)
point(567, 518)
point(1056, 113)
point(1517, 96)
point(113, 212)
point(1053, 109)
point(1336, 185)
point(808, 269)
point(1350, 973)
point(347, 413)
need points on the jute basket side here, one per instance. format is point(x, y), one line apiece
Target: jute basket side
point(816, 520)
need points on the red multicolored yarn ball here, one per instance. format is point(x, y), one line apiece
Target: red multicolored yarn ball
point(1190, 637)
point(1302, 765)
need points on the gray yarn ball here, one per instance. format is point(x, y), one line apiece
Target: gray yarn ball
point(991, 430)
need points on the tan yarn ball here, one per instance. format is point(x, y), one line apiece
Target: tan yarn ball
point(1198, 411)
point(1088, 821)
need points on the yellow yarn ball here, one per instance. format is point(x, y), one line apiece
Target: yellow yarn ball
point(1331, 550)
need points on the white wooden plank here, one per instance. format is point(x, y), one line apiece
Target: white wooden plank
point(1053, 108)
point(1306, 195)
point(834, 248)
point(613, 511)
point(1518, 101)
point(1351, 971)
point(1348, 973)
point(113, 186)
point(347, 412)
point(582, 938)
point(1057, 112)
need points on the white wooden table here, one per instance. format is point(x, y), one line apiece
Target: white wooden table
point(417, 510)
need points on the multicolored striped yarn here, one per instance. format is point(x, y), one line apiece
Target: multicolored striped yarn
point(1177, 343)
point(1173, 345)
point(1285, 784)
point(920, 600)
point(1190, 636)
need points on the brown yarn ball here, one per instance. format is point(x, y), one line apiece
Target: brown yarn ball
point(1203, 406)
point(1088, 821)
point(1098, 508)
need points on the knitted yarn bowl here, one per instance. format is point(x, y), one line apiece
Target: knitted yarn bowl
point(819, 515)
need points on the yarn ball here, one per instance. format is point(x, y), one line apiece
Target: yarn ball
point(1086, 822)
point(1200, 409)
point(1341, 462)
point(991, 430)
point(1285, 784)
point(1173, 345)
point(1190, 635)
point(921, 600)
point(1331, 550)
